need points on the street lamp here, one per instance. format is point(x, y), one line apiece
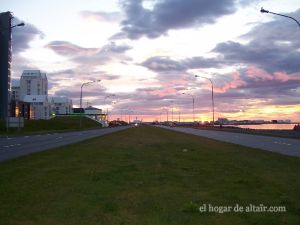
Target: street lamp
point(172, 110)
point(262, 10)
point(212, 97)
point(193, 104)
point(17, 25)
point(106, 97)
point(86, 83)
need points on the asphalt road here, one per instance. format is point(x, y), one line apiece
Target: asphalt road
point(13, 147)
point(285, 146)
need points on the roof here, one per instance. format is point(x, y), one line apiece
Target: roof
point(35, 98)
point(91, 108)
point(31, 72)
point(60, 100)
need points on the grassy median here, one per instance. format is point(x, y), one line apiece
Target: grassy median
point(149, 176)
point(56, 124)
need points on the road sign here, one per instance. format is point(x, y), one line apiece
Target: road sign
point(15, 122)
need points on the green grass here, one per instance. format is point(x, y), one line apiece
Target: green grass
point(60, 123)
point(148, 176)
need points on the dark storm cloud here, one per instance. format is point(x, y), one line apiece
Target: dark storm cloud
point(22, 36)
point(273, 46)
point(171, 14)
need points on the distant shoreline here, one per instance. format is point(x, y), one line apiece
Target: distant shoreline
point(267, 132)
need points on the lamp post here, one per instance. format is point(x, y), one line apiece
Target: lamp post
point(167, 116)
point(84, 84)
point(212, 97)
point(262, 10)
point(172, 110)
point(193, 104)
point(106, 97)
point(17, 25)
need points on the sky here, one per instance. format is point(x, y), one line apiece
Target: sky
point(147, 52)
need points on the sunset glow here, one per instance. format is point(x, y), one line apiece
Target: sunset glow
point(147, 52)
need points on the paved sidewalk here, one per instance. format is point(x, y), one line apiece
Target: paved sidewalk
point(285, 146)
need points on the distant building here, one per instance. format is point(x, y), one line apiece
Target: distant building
point(61, 105)
point(92, 111)
point(15, 93)
point(33, 82)
point(5, 62)
point(39, 106)
point(97, 115)
point(222, 121)
point(30, 99)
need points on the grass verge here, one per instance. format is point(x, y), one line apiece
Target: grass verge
point(59, 123)
point(273, 133)
point(148, 175)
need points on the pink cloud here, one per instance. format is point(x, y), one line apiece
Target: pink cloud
point(168, 89)
point(258, 74)
point(235, 83)
point(284, 77)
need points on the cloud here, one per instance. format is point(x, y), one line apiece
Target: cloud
point(91, 56)
point(65, 48)
point(161, 63)
point(171, 14)
point(237, 82)
point(102, 16)
point(111, 52)
point(166, 63)
point(273, 46)
point(22, 36)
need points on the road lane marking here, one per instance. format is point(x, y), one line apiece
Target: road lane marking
point(282, 143)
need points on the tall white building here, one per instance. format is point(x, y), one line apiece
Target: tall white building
point(34, 91)
point(33, 82)
point(30, 98)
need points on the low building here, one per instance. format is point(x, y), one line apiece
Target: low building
point(20, 109)
point(61, 106)
point(222, 121)
point(97, 115)
point(39, 106)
